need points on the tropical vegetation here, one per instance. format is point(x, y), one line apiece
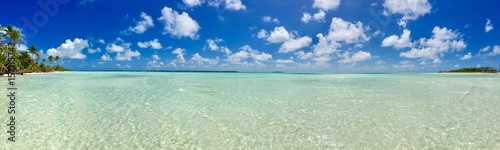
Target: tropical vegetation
point(25, 61)
point(473, 69)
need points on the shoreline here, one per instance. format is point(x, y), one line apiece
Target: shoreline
point(34, 73)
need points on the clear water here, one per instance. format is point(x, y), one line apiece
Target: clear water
point(146, 110)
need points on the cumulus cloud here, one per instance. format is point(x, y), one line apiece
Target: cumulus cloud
point(179, 25)
point(228, 4)
point(127, 55)
point(356, 57)
point(234, 5)
point(295, 44)
point(70, 49)
point(442, 41)
point(199, 60)
point(495, 52)
point(326, 4)
point(289, 39)
point(401, 42)
point(323, 6)
point(263, 34)
point(341, 33)
point(488, 26)
point(180, 55)
point(270, 19)
point(212, 44)
point(405, 64)
point(344, 31)
point(117, 46)
point(410, 9)
point(106, 57)
point(155, 64)
point(143, 25)
point(320, 17)
point(279, 35)
point(91, 51)
point(154, 44)
point(466, 56)
point(122, 48)
point(156, 57)
point(193, 3)
point(285, 61)
point(247, 53)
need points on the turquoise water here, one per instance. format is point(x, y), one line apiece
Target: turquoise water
point(154, 110)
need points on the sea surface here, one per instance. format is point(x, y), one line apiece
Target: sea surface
point(174, 110)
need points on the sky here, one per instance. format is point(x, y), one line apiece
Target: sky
point(261, 35)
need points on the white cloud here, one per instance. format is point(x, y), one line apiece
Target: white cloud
point(485, 49)
point(356, 57)
point(212, 44)
point(154, 64)
point(295, 44)
point(488, 26)
point(117, 46)
point(70, 49)
point(154, 44)
point(262, 34)
point(21, 47)
point(285, 61)
point(442, 41)
point(127, 55)
point(91, 51)
point(495, 52)
point(193, 3)
point(344, 31)
point(234, 5)
point(270, 19)
point(197, 59)
point(142, 25)
point(405, 64)
point(247, 53)
point(303, 55)
point(410, 9)
point(122, 48)
point(467, 56)
point(180, 55)
point(156, 57)
point(340, 33)
point(320, 17)
point(289, 40)
point(279, 35)
point(102, 41)
point(436, 61)
point(179, 25)
point(106, 57)
point(326, 4)
point(398, 42)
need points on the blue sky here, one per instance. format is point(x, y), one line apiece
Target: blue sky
point(262, 35)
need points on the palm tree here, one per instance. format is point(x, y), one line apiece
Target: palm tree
point(32, 51)
point(51, 59)
point(15, 38)
point(57, 59)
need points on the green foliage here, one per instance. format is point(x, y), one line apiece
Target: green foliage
point(475, 69)
point(23, 61)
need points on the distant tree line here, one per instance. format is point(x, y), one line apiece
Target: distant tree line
point(474, 69)
point(26, 61)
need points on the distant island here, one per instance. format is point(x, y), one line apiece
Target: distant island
point(472, 70)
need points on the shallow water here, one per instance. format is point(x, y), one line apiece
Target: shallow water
point(155, 110)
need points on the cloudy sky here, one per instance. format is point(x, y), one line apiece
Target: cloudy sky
point(262, 35)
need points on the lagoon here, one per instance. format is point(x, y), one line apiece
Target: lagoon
point(177, 110)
